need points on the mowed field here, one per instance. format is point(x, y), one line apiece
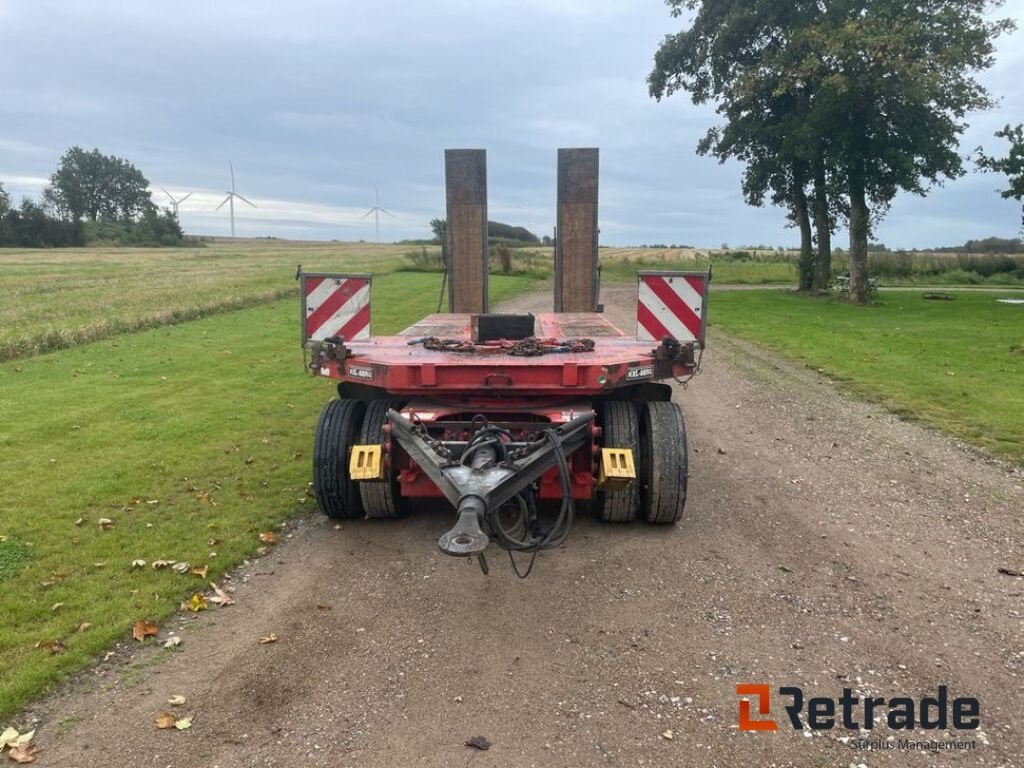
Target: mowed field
point(53, 299)
point(191, 439)
point(177, 408)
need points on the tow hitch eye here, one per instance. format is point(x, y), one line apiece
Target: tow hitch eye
point(466, 538)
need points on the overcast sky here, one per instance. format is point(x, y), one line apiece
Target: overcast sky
point(317, 102)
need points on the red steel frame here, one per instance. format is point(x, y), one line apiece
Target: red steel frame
point(402, 369)
point(445, 390)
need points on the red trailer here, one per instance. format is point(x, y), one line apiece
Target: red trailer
point(500, 413)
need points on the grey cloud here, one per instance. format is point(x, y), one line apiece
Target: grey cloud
point(317, 102)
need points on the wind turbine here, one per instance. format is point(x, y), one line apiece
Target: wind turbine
point(377, 211)
point(230, 199)
point(176, 203)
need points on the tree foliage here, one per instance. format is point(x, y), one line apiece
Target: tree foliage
point(1012, 165)
point(440, 229)
point(496, 229)
point(861, 98)
point(94, 186)
point(92, 198)
point(29, 226)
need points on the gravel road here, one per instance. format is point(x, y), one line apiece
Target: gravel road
point(826, 544)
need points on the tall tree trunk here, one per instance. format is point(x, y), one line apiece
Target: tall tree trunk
point(823, 228)
point(859, 230)
point(806, 263)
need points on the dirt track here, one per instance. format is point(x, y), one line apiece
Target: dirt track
point(826, 544)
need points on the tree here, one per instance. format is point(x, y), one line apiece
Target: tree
point(440, 229)
point(767, 126)
point(97, 187)
point(880, 88)
point(1012, 165)
point(5, 200)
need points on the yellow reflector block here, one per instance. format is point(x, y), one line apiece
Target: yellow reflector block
point(616, 469)
point(366, 463)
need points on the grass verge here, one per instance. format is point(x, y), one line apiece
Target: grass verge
point(183, 436)
point(957, 365)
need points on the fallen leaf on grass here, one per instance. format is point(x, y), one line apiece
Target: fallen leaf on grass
point(220, 597)
point(80, 521)
point(172, 642)
point(105, 523)
point(184, 723)
point(138, 563)
point(52, 647)
point(85, 626)
point(181, 567)
point(24, 754)
point(213, 542)
point(144, 628)
point(478, 742)
point(56, 606)
point(195, 603)
point(3, 539)
point(158, 564)
point(200, 572)
point(269, 537)
point(267, 639)
point(176, 701)
point(165, 720)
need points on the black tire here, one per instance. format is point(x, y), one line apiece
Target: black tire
point(664, 468)
point(336, 495)
point(381, 499)
point(620, 428)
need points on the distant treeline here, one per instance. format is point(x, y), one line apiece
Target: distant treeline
point(497, 233)
point(987, 245)
point(996, 245)
point(92, 199)
point(495, 229)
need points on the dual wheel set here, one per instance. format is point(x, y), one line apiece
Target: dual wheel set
point(344, 423)
point(654, 431)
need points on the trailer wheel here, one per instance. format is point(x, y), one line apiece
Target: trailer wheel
point(336, 495)
point(664, 469)
point(380, 499)
point(620, 428)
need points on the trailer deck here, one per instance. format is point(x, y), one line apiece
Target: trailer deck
point(404, 365)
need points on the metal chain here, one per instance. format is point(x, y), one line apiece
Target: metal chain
point(530, 347)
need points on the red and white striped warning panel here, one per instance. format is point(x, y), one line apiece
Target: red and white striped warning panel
point(672, 304)
point(336, 305)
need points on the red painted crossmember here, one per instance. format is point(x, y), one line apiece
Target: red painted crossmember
point(671, 304)
point(336, 305)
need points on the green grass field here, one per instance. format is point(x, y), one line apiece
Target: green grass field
point(181, 435)
point(957, 365)
point(54, 299)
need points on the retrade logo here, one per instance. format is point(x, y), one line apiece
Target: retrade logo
point(855, 713)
